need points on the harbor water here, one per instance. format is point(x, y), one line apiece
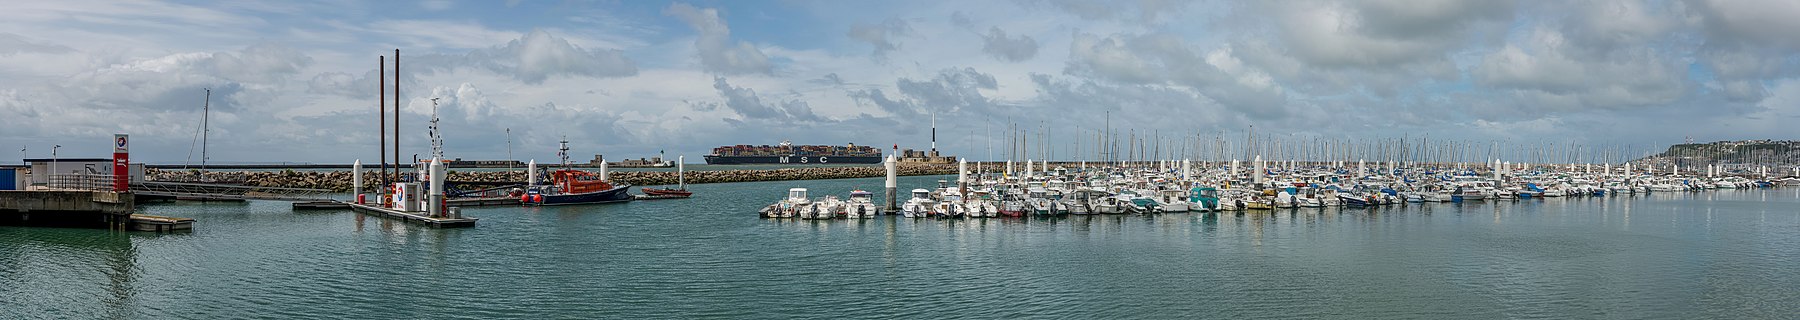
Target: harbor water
point(1721, 254)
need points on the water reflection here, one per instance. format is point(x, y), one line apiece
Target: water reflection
point(1553, 258)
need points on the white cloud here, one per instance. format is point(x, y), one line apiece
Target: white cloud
point(294, 80)
point(441, 34)
point(718, 53)
point(880, 35)
point(1014, 49)
point(1548, 75)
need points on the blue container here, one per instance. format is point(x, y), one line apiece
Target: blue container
point(9, 179)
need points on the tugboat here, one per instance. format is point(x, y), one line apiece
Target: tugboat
point(570, 186)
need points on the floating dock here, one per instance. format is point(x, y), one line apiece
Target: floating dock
point(419, 217)
point(144, 222)
point(663, 197)
point(478, 202)
point(320, 205)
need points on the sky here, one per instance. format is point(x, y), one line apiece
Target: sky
point(296, 81)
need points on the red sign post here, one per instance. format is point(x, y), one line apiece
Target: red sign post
point(121, 164)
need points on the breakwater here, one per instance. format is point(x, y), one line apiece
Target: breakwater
point(341, 180)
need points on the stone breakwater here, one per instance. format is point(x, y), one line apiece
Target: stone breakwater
point(341, 180)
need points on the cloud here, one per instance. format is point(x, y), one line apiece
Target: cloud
point(961, 20)
point(158, 99)
point(716, 50)
point(1744, 45)
point(1163, 59)
point(1544, 73)
point(880, 35)
point(13, 44)
point(1140, 11)
point(620, 80)
point(747, 104)
point(894, 107)
point(531, 59)
point(951, 90)
point(423, 34)
point(1748, 22)
point(1377, 34)
point(995, 43)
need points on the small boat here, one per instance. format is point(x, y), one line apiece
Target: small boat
point(920, 204)
point(827, 207)
point(667, 192)
point(680, 181)
point(861, 205)
point(789, 207)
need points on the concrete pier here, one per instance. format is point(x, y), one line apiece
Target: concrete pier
point(80, 208)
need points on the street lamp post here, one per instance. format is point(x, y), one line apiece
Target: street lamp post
point(52, 174)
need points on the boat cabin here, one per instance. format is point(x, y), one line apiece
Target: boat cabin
point(577, 181)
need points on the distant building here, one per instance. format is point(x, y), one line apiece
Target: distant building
point(42, 169)
point(631, 163)
point(927, 157)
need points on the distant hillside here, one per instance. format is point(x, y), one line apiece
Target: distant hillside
point(1780, 153)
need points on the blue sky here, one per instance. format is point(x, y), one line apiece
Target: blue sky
point(294, 81)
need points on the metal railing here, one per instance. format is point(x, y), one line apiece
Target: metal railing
point(80, 181)
point(220, 191)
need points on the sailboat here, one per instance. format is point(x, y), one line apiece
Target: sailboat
point(680, 180)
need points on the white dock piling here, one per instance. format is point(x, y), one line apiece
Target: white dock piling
point(1185, 166)
point(1257, 176)
point(356, 179)
point(531, 177)
point(962, 174)
point(436, 207)
point(893, 183)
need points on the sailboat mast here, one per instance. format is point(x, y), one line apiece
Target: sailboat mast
point(205, 127)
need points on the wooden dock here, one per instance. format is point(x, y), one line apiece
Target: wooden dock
point(418, 217)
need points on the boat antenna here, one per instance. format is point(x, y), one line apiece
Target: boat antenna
point(509, 155)
point(564, 152)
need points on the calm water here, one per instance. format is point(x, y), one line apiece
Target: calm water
point(1728, 254)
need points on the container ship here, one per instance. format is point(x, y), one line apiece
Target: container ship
point(788, 153)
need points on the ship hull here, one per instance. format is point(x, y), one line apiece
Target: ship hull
point(792, 159)
point(616, 194)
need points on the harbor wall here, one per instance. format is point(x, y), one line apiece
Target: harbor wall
point(341, 180)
